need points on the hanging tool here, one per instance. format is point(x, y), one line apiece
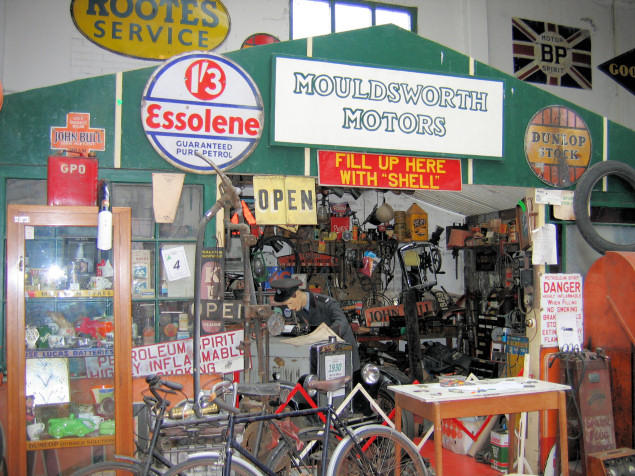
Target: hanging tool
point(343, 261)
point(455, 255)
point(328, 285)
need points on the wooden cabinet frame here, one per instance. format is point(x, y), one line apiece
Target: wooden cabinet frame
point(18, 217)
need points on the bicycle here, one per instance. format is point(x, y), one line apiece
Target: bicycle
point(420, 264)
point(368, 450)
point(153, 460)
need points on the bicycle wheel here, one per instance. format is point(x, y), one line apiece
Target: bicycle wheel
point(211, 465)
point(384, 449)
point(437, 260)
point(308, 458)
point(111, 468)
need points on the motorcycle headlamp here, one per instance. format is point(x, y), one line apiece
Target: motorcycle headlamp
point(308, 378)
point(370, 374)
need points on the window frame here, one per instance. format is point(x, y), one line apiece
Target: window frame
point(412, 11)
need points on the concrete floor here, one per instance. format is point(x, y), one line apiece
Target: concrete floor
point(458, 465)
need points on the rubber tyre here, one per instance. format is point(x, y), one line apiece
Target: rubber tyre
point(280, 458)
point(379, 455)
point(212, 466)
point(437, 260)
point(582, 198)
point(386, 400)
point(108, 468)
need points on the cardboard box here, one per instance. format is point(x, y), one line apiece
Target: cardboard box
point(340, 224)
point(455, 438)
point(141, 272)
point(417, 223)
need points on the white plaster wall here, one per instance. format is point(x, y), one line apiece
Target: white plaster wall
point(40, 45)
point(611, 24)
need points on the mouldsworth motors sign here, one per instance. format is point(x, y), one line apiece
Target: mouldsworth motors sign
point(337, 104)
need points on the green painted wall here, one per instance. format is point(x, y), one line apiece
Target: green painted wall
point(27, 117)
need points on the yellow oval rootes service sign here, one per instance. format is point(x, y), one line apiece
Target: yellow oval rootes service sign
point(152, 29)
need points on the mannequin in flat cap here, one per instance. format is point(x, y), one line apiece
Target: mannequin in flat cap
point(315, 309)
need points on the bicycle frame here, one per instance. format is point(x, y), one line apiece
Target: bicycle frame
point(426, 268)
point(158, 405)
point(232, 444)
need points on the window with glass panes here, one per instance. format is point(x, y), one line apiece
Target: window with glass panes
point(321, 17)
point(161, 308)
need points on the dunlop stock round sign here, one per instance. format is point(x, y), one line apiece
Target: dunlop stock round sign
point(206, 103)
point(152, 29)
point(558, 146)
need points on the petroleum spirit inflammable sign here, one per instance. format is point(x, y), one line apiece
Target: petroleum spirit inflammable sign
point(206, 103)
point(152, 29)
point(358, 106)
point(219, 353)
point(350, 169)
point(560, 300)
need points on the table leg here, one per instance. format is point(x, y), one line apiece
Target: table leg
point(511, 449)
point(438, 440)
point(397, 418)
point(564, 445)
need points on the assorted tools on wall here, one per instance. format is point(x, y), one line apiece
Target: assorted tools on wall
point(369, 266)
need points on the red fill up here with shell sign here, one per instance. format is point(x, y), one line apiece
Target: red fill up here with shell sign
point(353, 169)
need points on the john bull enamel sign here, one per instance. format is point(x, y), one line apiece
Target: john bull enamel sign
point(205, 103)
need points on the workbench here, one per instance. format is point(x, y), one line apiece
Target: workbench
point(483, 397)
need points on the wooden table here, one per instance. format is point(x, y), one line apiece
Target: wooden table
point(484, 397)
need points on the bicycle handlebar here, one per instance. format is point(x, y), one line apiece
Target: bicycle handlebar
point(221, 404)
point(156, 385)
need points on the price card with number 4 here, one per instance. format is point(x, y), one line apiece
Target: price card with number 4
point(175, 263)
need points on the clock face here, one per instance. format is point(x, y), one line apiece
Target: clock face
point(31, 335)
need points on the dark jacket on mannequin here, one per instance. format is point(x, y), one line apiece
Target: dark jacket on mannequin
point(326, 309)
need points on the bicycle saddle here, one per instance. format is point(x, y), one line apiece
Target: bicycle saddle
point(328, 385)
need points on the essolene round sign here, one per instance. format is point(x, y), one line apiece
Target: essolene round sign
point(205, 103)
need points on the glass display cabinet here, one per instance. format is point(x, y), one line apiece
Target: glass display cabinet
point(68, 339)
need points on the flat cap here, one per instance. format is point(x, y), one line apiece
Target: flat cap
point(285, 287)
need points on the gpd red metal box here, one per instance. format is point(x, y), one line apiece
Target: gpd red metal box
point(72, 180)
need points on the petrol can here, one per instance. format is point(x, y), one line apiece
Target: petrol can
point(500, 447)
point(417, 220)
point(401, 232)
